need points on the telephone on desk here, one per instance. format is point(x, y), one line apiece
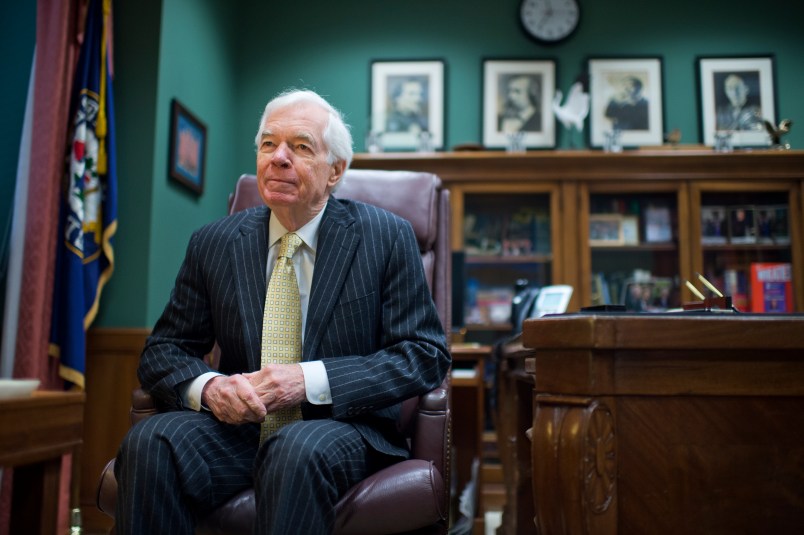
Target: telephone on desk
point(537, 302)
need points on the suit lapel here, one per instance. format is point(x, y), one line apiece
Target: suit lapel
point(337, 244)
point(248, 260)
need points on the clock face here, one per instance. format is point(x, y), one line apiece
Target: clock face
point(549, 20)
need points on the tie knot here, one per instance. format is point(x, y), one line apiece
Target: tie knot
point(290, 243)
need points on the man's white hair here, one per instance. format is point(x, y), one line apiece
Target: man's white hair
point(336, 134)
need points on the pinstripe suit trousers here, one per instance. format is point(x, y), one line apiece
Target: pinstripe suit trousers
point(174, 467)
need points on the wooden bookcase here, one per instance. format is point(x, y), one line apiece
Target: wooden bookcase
point(661, 186)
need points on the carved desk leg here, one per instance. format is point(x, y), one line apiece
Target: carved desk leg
point(574, 456)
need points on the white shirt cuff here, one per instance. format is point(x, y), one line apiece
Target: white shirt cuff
point(316, 382)
point(192, 395)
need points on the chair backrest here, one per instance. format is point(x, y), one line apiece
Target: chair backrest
point(419, 198)
point(415, 196)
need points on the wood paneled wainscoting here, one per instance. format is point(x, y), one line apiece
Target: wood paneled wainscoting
point(112, 358)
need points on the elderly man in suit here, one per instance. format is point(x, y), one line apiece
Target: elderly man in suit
point(370, 337)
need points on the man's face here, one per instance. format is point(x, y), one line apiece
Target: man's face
point(410, 97)
point(292, 169)
point(518, 93)
point(631, 88)
point(736, 90)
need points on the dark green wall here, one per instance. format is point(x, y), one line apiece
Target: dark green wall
point(224, 60)
point(181, 49)
point(333, 56)
point(18, 24)
point(196, 67)
point(136, 55)
point(18, 34)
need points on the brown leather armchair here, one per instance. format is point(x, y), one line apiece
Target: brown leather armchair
point(412, 496)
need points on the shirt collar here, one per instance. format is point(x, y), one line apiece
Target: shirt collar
point(308, 233)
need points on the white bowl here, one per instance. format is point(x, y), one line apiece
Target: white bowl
point(17, 388)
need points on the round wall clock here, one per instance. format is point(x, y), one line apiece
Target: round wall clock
point(549, 21)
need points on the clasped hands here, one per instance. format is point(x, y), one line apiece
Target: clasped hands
point(248, 397)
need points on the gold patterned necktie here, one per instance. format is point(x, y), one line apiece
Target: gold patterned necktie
point(281, 326)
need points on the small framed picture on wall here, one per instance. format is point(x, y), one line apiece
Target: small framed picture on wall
point(626, 97)
point(407, 103)
point(737, 95)
point(517, 102)
point(188, 147)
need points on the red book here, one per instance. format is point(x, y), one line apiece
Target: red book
point(771, 287)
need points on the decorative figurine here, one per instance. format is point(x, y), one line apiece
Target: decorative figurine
point(673, 137)
point(776, 133)
point(574, 110)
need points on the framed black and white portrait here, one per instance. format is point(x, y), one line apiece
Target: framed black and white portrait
point(407, 103)
point(517, 100)
point(626, 96)
point(736, 95)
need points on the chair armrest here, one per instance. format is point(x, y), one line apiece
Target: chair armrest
point(142, 406)
point(106, 498)
point(432, 440)
point(436, 399)
point(401, 495)
point(432, 425)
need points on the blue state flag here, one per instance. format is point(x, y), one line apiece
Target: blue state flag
point(88, 204)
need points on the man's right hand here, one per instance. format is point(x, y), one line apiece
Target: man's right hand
point(233, 400)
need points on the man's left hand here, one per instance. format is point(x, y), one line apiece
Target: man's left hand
point(279, 385)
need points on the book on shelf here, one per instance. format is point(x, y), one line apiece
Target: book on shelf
point(600, 290)
point(771, 287)
point(735, 284)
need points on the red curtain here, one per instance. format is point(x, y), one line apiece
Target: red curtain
point(57, 44)
point(56, 52)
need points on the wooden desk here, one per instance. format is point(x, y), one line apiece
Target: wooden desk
point(34, 434)
point(664, 424)
point(514, 419)
point(468, 409)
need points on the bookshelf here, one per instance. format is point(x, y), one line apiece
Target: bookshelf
point(658, 199)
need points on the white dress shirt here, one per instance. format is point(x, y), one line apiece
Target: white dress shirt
point(316, 382)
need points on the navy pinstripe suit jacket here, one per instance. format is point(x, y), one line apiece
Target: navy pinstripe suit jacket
point(371, 318)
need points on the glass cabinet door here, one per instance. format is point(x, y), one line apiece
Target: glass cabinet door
point(745, 247)
point(507, 247)
point(633, 250)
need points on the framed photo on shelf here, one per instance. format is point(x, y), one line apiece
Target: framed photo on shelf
point(407, 103)
point(714, 225)
point(658, 225)
point(742, 224)
point(626, 96)
point(780, 229)
point(655, 294)
point(766, 223)
point(630, 230)
point(736, 94)
point(517, 102)
point(606, 230)
point(188, 147)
